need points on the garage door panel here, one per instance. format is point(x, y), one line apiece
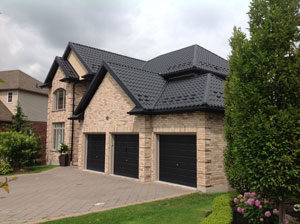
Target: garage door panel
point(96, 152)
point(126, 158)
point(177, 159)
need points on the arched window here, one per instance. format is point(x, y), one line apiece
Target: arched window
point(60, 99)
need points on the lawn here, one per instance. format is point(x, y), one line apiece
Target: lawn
point(188, 209)
point(32, 169)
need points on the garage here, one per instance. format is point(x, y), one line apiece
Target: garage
point(126, 155)
point(177, 159)
point(95, 152)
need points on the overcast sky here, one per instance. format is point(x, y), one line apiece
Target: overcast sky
point(33, 32)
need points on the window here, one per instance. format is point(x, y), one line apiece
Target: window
point(9, 97)
point(58, 134)
point(60, 99)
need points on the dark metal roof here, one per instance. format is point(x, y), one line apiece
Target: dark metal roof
point(67, 68)
point(200, 90)
point(93, 57)
point(152, 94)
point(145, 86)
point(69, 72)
point(189, 79)
point(192, 58)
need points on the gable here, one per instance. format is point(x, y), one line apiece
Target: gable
point(76, 64)
point(110, 102)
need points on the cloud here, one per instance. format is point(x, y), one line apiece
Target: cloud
point(33, 32)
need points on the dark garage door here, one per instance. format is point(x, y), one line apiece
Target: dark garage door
point(126, 157)
point(96, 152)
point(177, 159)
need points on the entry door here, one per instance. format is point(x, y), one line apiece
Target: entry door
point(126, 155)
point(177, 159)
point(96, 152)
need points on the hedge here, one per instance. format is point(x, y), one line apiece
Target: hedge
point(222, 212)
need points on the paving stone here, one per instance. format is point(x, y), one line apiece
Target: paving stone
point(69, 191)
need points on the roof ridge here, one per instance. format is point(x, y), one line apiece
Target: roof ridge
point(195, 55)
point(130, 66)
point(210, 52)
point(208, 79)
point(107, 51)
point(161, 93)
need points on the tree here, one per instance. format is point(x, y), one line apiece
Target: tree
point(262, 98)
point(19, 121)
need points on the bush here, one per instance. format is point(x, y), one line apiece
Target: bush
point(63, 148)
point(256, 209)
point(222, 212)
point(5, 167)
point(19, 149)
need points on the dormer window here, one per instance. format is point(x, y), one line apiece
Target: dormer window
point(60, 99)
point(9, 97)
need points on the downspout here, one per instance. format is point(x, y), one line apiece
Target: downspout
point(72, 134)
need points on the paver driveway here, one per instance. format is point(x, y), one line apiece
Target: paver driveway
point(67, 191)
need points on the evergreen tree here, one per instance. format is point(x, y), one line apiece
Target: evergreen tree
point(19, 121)
point(262, 99)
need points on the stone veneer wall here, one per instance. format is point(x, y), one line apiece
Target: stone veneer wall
point(215, 146)
point(80, 89)
point(58, 116)
point(107, 114)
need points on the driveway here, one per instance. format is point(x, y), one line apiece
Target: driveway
point(66, 191)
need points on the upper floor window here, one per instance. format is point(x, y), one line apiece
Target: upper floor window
point(60, 99)
point(9, 97)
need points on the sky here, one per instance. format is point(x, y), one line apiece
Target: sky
point(33, 32)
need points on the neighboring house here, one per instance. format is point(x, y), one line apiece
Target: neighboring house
point(153, 120)
point(22, 88)
point(5, 116)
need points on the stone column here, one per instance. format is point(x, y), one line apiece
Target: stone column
point(203, 158)
point(145, 151)
point(108, 153)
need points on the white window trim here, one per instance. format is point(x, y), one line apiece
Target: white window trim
point(10, 92)
point(56, 138)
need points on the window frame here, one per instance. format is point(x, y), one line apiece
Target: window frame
point(10, 97)
point(58, 128)
point(57, 99)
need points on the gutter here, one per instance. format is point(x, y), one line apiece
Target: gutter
point(72, 134)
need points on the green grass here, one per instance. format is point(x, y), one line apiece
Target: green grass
point(188, 209)
point(32, 169)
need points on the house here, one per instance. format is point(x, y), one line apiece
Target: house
point(22, 88)
point(5, 116)
point(156, 120)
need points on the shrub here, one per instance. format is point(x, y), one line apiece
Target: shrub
point(222, 212)
point(63, 148)
point(256, 209)
point(19, 149)
point(5, 167)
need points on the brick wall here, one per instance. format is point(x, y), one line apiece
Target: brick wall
point(40, 130)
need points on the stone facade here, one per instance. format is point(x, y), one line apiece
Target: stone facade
point(58, 116)
point(107, 114)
